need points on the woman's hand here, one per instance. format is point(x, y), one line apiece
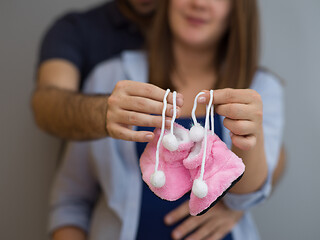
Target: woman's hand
point(243, 113)
point(213, 225)
point(131, 104)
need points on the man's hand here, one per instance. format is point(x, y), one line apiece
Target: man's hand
point(60, 109)
point(214, 224)
point(132, 103)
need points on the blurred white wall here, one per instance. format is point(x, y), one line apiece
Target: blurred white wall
point(28, 156)
point(291, 37)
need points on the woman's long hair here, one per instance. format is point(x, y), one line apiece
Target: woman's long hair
point(238, 49)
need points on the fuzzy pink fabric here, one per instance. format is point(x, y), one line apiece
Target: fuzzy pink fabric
point(178, 179)
point(222, 167)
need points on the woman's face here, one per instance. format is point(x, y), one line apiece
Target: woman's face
point(199, 23)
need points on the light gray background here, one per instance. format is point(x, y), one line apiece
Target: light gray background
point(28, 156)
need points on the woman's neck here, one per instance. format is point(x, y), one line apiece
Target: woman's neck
point(192, 62)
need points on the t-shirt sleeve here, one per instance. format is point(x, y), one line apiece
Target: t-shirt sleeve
point(63, 40)
point(272, 95)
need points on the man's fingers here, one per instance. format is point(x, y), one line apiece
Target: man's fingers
point(145, 105)
point(220, 232)
point(185, 227)
point(141, 119)
point(205, 230)
point(189, 225)
point(177, 214)
point(148, 90)
point(124, 133)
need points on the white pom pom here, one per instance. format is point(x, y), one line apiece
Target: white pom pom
point(200, 188)
point(158, 179)
point(170, 142)
point(196, 133)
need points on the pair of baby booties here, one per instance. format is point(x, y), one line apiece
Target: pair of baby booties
point(179, 161)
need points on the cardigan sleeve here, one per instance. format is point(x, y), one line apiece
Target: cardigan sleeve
point(271, 91)
point(75, 189)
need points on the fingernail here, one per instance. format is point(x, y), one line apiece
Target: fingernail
point(179, 101)
point(201, 99)
point(168, 219)
point(177, 112)
point(168, 122)
point(148, 137)
point(177, 234)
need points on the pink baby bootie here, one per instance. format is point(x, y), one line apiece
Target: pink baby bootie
point(161, 162)
point(213, 167)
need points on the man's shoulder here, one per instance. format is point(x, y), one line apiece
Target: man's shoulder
point(97, 14)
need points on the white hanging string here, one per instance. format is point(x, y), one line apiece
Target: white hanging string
point(212, 118)
point(193, 113)
point(174, 110)
point(162, 128)
point(205, 135)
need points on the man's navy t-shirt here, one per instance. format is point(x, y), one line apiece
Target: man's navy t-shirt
point(88, 38)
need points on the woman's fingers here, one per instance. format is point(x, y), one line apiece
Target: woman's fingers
point(145, 105)
point(240, 127)
point(235, 111)
point(244, 142)
point(147, 90)
point(230, 95)
point(243, 112)
point(177, 214)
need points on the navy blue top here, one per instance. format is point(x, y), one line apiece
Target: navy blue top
point(153, 209)
point(90, 37)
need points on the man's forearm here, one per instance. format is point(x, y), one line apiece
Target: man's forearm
point(70, 115)
point(69, 233)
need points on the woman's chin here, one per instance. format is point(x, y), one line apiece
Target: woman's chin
point(195, 39)
point(197, 43)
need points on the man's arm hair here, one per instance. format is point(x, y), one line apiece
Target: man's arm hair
point(59, 109)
